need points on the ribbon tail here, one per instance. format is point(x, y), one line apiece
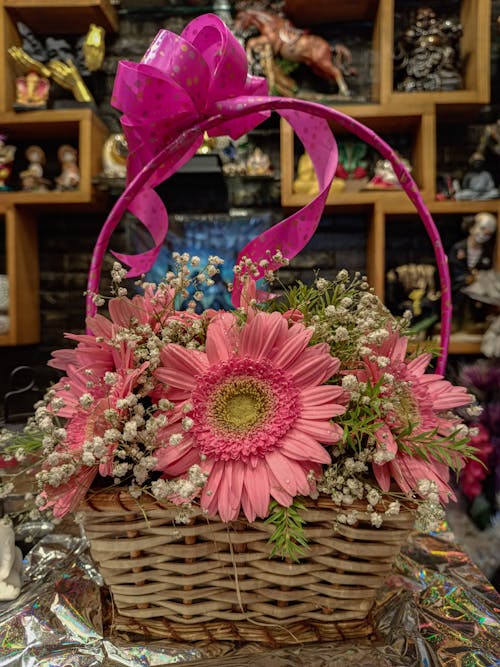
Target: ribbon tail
point(151, 212)
point(293, 233)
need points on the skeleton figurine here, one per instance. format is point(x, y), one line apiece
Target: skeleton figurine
point(466, 258)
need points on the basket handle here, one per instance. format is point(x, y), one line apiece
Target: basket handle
point(180, 133)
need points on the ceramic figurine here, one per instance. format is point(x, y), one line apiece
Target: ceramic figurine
point(232, 154)
point(466, 258)
point(7, 154)
point(307, 181)
point(64, 73)
point(427, 53)
point(93, 48)
point(69, 179)
point(258, 163)
point(352, 160)
point(385, 177)
point(32, 178)
point(490, 139)
point(477, 183)
point(32, 92)
point(114, 156)
point(297, 46)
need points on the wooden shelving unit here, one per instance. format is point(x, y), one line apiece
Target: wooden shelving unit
point(411, 114)
point(63, 16)
point(80, 127)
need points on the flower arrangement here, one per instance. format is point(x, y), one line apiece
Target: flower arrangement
point(312, 390)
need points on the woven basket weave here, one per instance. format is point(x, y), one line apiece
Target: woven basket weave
point(208, 580)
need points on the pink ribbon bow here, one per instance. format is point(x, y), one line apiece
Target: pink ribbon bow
point(196, 82)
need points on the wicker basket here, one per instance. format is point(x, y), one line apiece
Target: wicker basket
point(216, 581)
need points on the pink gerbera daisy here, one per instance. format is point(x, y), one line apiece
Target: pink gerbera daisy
point(419, 406)
point(257, 412)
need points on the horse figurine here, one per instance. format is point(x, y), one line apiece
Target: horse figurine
point(297, 45)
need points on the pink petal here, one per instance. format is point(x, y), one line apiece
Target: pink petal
point(322, 411)
point(314, 366)
point(324, 432)
point(68, 496)
point(277, 491)
point(417, 366)
point(382, 475)
point(61, 359)
point(225, 507)
point(256, 487)
point(446, 396)
point(300, 476)
point(263, 334)
point(238, 478)
point(283, 471)
point(209, 493)
point(176, 460)
point(181, 366)
point(247, 506)
point(385, 439)
point(395, 347)
point(122, 311)
point(304, 448)
point(99, 325)
point(323, 394)
point(222, 338)
point(292, 348)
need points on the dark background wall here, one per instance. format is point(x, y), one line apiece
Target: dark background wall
point(66, 240)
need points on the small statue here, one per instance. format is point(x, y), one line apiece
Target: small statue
point(208, 146)
point(466, 258)
point(32, 92)
point(114, 156)
point(352, 163)
point(296, 46)
point(32, 178)
point(477, 183)
point(490, 138)
point(93, 48)
point(258, 163)
point(69, 179)
point(413, 287)
point(427, 54)
point(232, 154)
point(65, 74)
point(7, 154)
point(385, 177)
point(307, 181)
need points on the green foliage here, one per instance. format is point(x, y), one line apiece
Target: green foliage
point(429, 446)
point(288, 538)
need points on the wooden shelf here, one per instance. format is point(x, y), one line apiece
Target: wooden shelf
point(79, 127)
point(419, 125)
point(21, 248)
point(475, 16)
point(305, 12)
point(462, 343)
point(63, 16)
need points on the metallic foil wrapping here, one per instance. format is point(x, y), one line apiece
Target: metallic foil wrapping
point(437, 609)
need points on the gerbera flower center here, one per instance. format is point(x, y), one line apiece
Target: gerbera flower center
point(242, 408)
point(241, 404)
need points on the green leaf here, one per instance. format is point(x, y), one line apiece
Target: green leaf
point(288, 539)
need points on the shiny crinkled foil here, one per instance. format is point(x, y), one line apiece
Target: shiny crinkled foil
point(436, 609)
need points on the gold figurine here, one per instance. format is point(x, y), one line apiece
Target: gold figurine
point(93, 48)
point(64, 74)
